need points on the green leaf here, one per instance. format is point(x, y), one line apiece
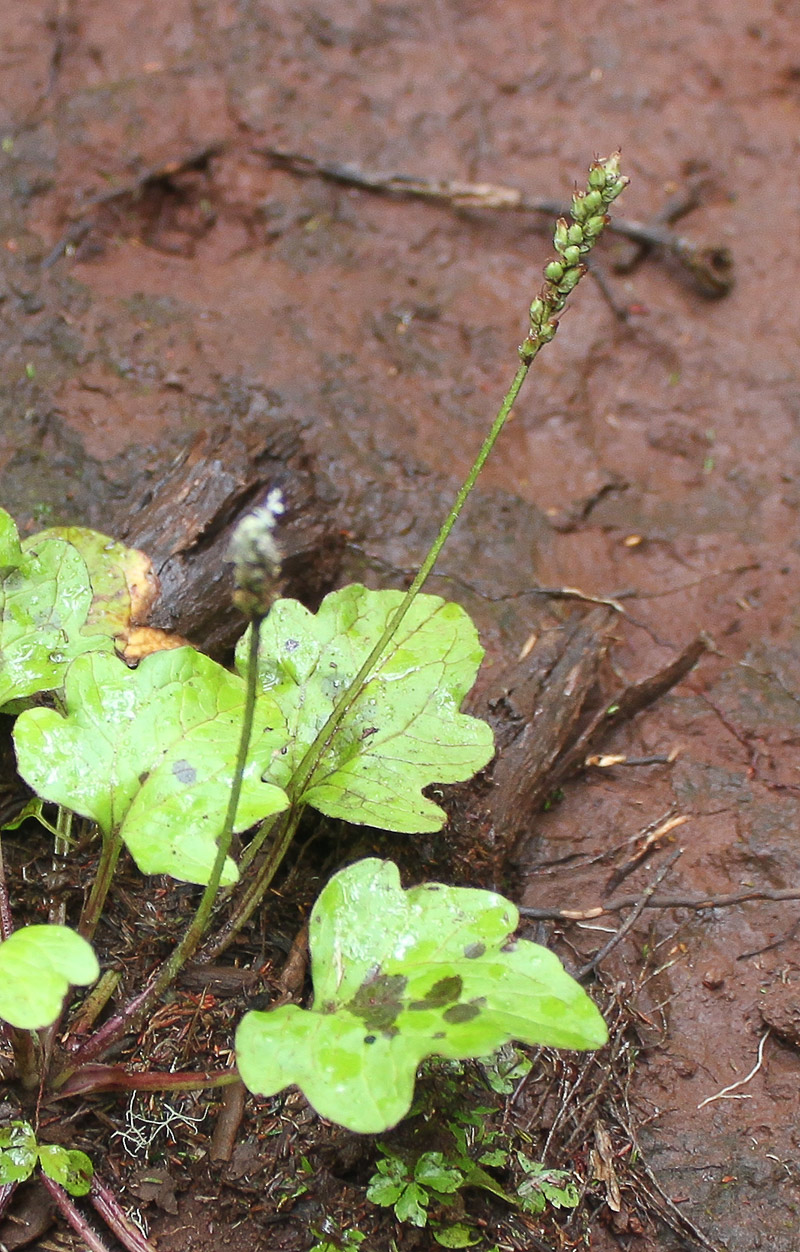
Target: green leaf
point(18, 1152)
point(457, 1236)
point(70, 1168)
point(121, 578)
point(37, 966)
point(45, 597)
point(404, 730)
point(150, 753)
point(505, 1069)
point(542, 1185)
point(411, 1206)
point(431, 1171)
point(10, 550)
point(400, 976)
point(497, 1158)
point(384, 1191)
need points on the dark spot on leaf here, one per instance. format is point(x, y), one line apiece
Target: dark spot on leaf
point(461, 1013)
point(144, 777)
point(439, 1034)
point(370, 1038)
point(474, 950)
point(445, 991)
point(509, 945)
point(184, 772)
point(292, 645)
point(378, 1000)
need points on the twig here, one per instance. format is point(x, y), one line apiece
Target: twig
point(711, 268)
point(656, 902)
point(112, 1212)
point(632, 917)
point(724, 1094)
point(229, 1120)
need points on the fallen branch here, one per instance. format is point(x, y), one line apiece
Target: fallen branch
point(656, 902)
point(710, 268)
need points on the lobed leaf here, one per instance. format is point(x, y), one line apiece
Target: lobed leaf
point(404, 730)
point(150, 754)
point(124, 585)
point(45, 597)
point(37, 966)
point(400, 976)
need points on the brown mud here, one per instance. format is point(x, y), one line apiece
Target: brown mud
point(162, 277)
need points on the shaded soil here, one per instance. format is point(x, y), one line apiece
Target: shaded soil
point(655, 459)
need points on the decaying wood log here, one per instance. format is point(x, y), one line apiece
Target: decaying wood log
point(550, 716)
point(184, 520)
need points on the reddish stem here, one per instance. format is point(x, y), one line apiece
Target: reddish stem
point(90, 1079)
point(112, 1212)
point(72, 1214)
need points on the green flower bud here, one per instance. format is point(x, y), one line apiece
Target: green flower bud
point(594, 227)
point(554, 271)
point(571, 279)
point(538, 311)
point(561, 237)
point(597, 178)
point(575, 234)
point(592, 201)
point(572, 255)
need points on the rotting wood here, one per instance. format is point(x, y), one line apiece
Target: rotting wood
point(184, 520)
point(545, 731)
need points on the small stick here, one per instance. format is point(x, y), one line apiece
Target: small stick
point(711, 268)
point(229, 1120)
point(631, 919)
point(656, 902)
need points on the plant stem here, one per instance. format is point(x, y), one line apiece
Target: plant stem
point(561, 277)
point(93, 908)
point(122, 1022)
point(112, 1212)
point(6, 920)
point(69, 1210)
point(299, 781)
point(58, 909)
point(257, 889)
point(91, 1079)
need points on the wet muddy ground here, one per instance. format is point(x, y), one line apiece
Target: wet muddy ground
point(161, 274)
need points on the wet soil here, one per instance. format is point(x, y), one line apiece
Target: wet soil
point(161, 276)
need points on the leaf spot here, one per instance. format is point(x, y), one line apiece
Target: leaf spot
point(473, 950)
point(292, 645)
point(445, 991)
point(461, 1013)
point(185, 773)
point(378, 1001)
